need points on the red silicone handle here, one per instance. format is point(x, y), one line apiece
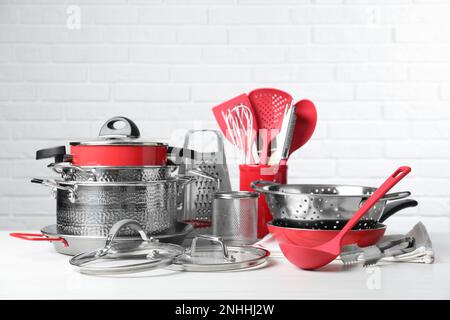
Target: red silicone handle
point(390, 182)
point(38, 237)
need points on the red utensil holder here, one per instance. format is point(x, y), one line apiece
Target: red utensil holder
point(253, 172)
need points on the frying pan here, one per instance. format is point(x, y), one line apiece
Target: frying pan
point(295, 234)
point(73, 244)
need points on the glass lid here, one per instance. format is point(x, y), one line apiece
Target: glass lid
point(119, 257)
point(218, 257)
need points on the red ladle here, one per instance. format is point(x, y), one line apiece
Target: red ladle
point(310, 258)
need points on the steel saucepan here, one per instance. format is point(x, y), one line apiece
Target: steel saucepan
point(92, 208)
point(307, 202)
point(307, 235)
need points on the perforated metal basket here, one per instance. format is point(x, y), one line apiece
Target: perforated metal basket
point(309, 203)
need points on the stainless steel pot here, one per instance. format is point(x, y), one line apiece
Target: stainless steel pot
point(92, 208)
point(70, 172)
point(307, 202)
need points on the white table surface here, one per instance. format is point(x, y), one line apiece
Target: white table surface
point(33, 270)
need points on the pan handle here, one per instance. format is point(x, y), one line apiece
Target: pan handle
point(259, 184)
point(393, 207)
point(38, 237)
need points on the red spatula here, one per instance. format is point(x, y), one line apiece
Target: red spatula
point(316, 257)
point(304, 127)
point(269, 105)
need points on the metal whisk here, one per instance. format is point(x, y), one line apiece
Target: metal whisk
point(240, 127)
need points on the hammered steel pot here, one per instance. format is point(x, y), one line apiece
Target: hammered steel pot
point(70, 172)
point(92, 208)
point(298, 203)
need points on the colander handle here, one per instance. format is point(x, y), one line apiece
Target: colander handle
point(396, 195)
point(259, 184)
point(394, 207)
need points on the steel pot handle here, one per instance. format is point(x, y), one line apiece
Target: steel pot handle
point(259, 184)
point(60, 166)
point(55, 185)
point(394, 207)
point(216, 240)
point(130, 129)
point(38, 237)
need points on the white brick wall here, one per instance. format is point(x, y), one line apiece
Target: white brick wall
point(378, 71)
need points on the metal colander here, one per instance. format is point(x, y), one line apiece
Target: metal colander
point(317, 205)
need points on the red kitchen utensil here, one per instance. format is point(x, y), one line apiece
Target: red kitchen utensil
point(304, 127)
point(315, 257)
point(269, 105)
point(237, 122)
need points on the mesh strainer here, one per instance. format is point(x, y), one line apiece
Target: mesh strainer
point(235, 217)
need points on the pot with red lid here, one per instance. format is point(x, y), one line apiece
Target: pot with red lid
point(118, 146)
point(117, 156)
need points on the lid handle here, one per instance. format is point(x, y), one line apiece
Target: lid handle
point(217, 240)
point(112, 130)
point(130, 223)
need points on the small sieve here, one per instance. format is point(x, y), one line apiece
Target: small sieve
point(235, 217)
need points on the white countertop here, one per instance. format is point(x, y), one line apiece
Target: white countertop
point(32, 270)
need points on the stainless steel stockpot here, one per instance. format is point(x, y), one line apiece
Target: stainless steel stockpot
point(92, 208)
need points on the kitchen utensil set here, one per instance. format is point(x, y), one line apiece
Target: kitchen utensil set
point(117, 187)
point(268, 117)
